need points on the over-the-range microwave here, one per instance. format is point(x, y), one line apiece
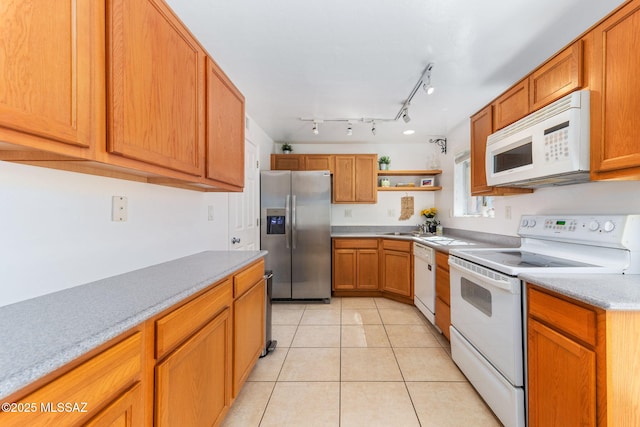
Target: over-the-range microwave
point(548, 147)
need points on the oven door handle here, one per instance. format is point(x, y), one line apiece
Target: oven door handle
point(502, 284)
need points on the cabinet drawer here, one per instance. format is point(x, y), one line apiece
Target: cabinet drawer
point(397, 245)
point(355, 243)
point(572, 319)
point(182, 322)
point(442, 260)
point(93, 383)
point(248, 277)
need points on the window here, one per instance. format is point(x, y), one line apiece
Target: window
point(463, 203)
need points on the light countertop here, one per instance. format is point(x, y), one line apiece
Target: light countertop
point(606, 291)
point(42, 334)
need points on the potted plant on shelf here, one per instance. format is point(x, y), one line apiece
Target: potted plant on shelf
point(383, 163)
point(286, 148)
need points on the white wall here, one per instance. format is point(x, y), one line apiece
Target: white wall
point(57, 230)
point(387, 210)
point(590, 198)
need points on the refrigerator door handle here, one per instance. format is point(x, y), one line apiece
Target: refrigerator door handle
point(287, 220)
point(293, 222)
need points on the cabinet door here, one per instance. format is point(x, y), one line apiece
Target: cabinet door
point(367, 269)
point(562, 379)
point(287, 162)
point(47, 54)
point(344, 180)
point(397, 273)
point(319, 162)
point(155, 86)
point(557, 78)
point(193, 384)
point(512, 105)
point(345, 269)
point(615, 150)
point(225, 128)
point(354, 179)
point(248, 333)
point(125, 411)
point(366, 186)
point(481, 128)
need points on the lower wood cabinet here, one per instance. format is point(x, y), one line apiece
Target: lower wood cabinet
point(355, 264)
point(104, 387)
point(397, 267)
point(582, 363)
point(248, 334)
point(182, 367)
point(443, 293)
point(192, 384)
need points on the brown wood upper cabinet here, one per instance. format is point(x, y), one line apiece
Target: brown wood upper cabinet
point(225, 128)
point(155, 87)
point(558, 77)
point(287, 162)
point(354, 179)
point(615, 149)
point(303, 162)
point(511, 105)
point(47, 98)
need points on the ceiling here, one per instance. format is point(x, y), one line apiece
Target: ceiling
point(362, 58)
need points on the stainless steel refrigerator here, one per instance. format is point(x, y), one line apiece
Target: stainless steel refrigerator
point(295, 213)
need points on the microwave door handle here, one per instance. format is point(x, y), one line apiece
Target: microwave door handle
point(294, 236)
point(493, 282)
point(287, 220)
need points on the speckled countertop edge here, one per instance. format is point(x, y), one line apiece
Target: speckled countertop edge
point(44, 333)
point(606, 291)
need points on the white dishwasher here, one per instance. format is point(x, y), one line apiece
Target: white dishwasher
point(424, 280)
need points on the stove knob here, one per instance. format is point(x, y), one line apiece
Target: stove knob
point(524, 223)
point(609, 226)
point(594, 225)
point(532, 223)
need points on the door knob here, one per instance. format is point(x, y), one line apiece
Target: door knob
point(235, 240)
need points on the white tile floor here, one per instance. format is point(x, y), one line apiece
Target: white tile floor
point(357, 362)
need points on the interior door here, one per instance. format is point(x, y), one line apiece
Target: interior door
point(244, 208)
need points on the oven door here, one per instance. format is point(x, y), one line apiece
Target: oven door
point(486, 309)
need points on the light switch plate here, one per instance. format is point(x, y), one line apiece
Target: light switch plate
point(119, 211)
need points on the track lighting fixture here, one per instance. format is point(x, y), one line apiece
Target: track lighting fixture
point(405, 115)
point(424, 81)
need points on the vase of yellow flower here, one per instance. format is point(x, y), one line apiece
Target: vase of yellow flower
point(431, 222)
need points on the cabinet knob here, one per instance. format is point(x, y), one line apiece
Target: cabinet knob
point(235, 240)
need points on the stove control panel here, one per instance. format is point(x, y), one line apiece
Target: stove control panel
point(609, 230)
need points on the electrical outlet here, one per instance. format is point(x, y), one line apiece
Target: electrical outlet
point(348, 213)
point(119, 211)
point(210, 212)
point(507, 212)
point(391, 212)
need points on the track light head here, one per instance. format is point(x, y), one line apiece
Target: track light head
point(428, 88)
point(373, 128)
point(405, 115)
point(349, 129)
point(315, 128)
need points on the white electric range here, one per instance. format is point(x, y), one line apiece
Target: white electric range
point(488, 300)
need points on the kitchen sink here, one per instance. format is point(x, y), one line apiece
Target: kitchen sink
point(398, 233)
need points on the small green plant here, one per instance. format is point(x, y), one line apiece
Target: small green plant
point(385, 160)
point(287, 147)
